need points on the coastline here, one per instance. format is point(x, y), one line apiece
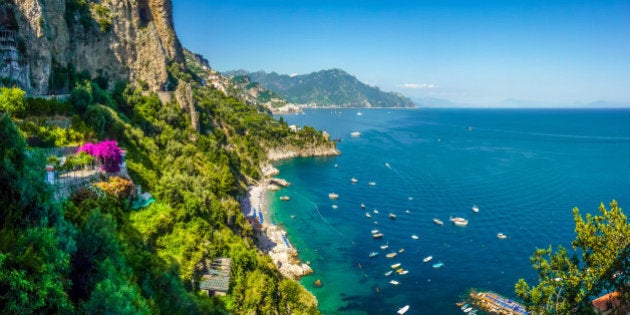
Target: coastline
point(270, 238)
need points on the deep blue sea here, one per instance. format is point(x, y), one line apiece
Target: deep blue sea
point(525, 170)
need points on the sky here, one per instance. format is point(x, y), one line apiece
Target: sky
point(481, 53)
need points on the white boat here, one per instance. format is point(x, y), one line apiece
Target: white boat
point(377, 235)
point(392, 216)
point(459, 221)
point(387, 164)
point(334, 206)
point(438, 265)
point(501, 236)
point(475, 209)
point(285, 198)
point(387, 274)
point(468, 310)
point(372, 183)
point(354, 180)
point(359, 114)
point(407, 211)
point(427, 259)
point(368, 215)
point(373, 254)
point(363, 205)
point(391, 255)
point(355, 134)
point(394, 282)
point(403, 272)
point(403, 309)
point(438, 222)
point(333, 195)
point(395, 266)
point(415, 237)
point(401, 250)
point(375, 211)
point(384, 246)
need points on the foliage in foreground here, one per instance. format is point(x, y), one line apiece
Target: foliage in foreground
point(600, 264)
point(93, 254)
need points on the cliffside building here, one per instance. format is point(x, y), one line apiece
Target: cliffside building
point(13, 68)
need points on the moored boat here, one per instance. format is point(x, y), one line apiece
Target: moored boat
point(354, 180)
point(368, 215)
point(392, 216)
point(403, 309)
point(373, 254)
point(427, 259)
point(395, 266)
point(501, 235)
point(438, 222)
point(333, 195)
point(394, 282)
point(438, 265)
point(355, 134)
point(363, 205)
point(387, 274)
point(459, 221)
point(372, 183)
point(285, 198)
point(391, 255)
point(377, 235)
point(402, 271)
point(475, 209)
point(415, 237)
point(384, 246)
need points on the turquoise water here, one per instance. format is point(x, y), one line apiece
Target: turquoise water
point(524, 169)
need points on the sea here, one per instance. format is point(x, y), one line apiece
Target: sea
point(525, 170)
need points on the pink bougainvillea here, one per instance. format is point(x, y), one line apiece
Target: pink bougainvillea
point(107, 152)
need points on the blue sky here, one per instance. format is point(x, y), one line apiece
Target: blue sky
point(473, 52)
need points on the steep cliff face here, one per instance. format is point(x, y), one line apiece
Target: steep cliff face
point(118, 39)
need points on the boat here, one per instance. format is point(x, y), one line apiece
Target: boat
point(285, 198)
point(375, 211)
point(384, 246)
point(402, 272)
point(501, 235)
point(387, 164)
point(438, 222)
point(410, 198)
point(468, 309)
point(459, 221)
point(403, 309)
point(391, 255)
point(354, 180)
point(463, 307)
point(293, 216)
point(401, 250)
point(387, 274)
point(334, 206)
point(475, 209)
point(377, 235)
point(355, 134)
point(333, 196)
point(395, 266)
point(373, 254)
point(407, 211)
point(359, 114)
point(394, 282)
point(372, 183)
point(368, 215)
point(415, 237)
point(438, 265)
point(427, 259)
point(363, 206)
point(374, 231)
point(392, 216)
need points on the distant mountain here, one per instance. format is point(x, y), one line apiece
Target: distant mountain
point(325, 88)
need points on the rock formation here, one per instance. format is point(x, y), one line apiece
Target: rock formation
point(116, 39)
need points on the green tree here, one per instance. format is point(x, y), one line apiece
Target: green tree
point(600, 263)
point(12, 101)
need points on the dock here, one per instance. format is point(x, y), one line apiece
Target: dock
point(494, 303)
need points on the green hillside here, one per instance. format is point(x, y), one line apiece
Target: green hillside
point(326, 88)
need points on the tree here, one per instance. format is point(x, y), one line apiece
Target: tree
point(600, 263)
point(12, 101)
point(107, 152)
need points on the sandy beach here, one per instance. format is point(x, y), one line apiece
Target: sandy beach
point(271, 239)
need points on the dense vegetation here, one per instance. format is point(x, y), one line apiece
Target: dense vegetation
point(91, 253)
point(332, 87)
point(600, 263)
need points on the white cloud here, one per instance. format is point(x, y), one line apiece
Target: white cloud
point(416, 86)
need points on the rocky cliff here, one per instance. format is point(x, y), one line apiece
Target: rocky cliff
point(115, 39)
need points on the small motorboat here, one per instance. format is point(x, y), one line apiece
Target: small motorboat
point(384, 246)
point(372, 183)
point(373, 254)
point(427, 259)
point(355, 134)
point(438, 265)
point(438, 222)
point(403, 310)
point(501, 235)
point(333, 196)
point(391, 255)
point(375, 211)
point(395, 266)
point(459, 221)
point(394, 282)
point(475, 209)
point(368, 215)
point(354, 180)
point(402, 272)
point(285, 198)
point(334, 206)
point(387, 274)
point(392, 216)
point(415, 237)
point(363, 205)
point(377, 235)
point(401, 250)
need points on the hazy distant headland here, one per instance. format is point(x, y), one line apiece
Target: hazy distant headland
point(325, 88)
